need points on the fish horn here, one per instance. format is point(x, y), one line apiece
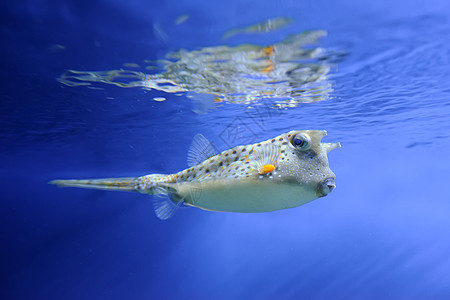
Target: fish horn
point(330, 146)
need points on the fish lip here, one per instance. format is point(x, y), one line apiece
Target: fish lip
point(326, 186)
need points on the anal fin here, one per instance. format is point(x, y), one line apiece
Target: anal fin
point(166, 204)
point(168, 198)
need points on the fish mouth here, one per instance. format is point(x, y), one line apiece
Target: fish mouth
point(325, 187)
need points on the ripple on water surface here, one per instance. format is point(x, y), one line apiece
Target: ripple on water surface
point(290, 72)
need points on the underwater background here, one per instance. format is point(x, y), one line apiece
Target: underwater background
point(113, 88)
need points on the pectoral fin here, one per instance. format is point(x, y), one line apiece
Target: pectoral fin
point(266, 159)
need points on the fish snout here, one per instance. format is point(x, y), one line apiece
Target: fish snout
point(326, 186)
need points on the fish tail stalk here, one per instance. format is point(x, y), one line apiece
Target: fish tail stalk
point(118, 184)
point(154, 183)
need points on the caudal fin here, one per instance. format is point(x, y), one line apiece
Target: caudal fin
point(117, 184)
point(165, 204)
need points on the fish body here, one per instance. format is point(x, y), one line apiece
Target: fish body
point(251, 196)
point(283, 172)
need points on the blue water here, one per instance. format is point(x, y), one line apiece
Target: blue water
point(383, 233)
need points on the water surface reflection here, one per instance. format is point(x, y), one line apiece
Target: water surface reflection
point(290, 72)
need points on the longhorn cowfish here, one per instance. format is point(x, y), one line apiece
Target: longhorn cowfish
point(283, 172)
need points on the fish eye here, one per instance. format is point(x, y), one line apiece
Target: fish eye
point(301, 141)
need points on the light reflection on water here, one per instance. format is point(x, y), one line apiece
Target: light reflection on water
point(290, 72)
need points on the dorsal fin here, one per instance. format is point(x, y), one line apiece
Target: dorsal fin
point(201, 149)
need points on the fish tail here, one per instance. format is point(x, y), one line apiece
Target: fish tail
point(165, 204)
point(118, 184)
point(149, 184)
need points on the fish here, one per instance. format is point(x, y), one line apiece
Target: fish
point(283, 172)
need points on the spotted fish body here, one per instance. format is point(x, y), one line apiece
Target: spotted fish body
point(283, 172)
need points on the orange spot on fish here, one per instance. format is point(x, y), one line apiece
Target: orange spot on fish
point(266, 169)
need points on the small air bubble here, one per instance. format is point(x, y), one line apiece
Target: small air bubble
point(159, 99)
